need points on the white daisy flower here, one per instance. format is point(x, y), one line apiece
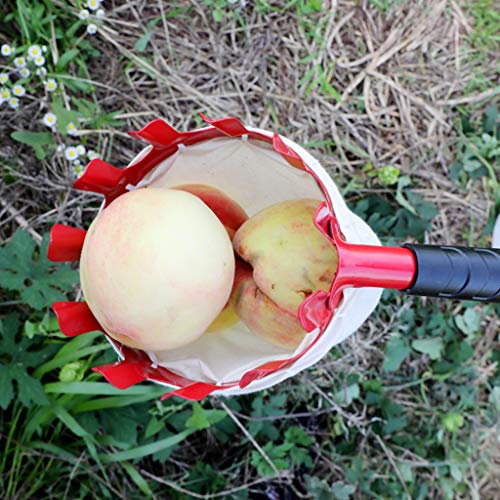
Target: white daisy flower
point(100, 14)
point(39, 61)
point(93, 4)
point(6, 50)
point(60, 148)
point(34, 51)
point(25, 72)
point(50, 85)
point(4, 93)
point(91, 29)
point(44, 48)
point(18, 90)
point(92, 155)
point(20, 62)
point(4, 78)
point(49, 119)
point(41, 72)
point(71, 129)
point(14, 102)
point(83, 14)
point(81, 149)
point(78, 169)
point(70, 153)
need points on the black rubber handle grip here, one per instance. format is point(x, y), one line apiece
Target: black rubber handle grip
point(456, 272)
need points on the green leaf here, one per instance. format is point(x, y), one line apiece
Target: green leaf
point(347, 395)
point(33, 138)
point(494, 398)
point(403, 182)
point(218, 15)
point(64, 60)
point(432, 346)
point(396, 351)
point(64, 116)
point(490, 119)
point(72, 372)
point(99, 388)
point(16, 357)
point(469, 322)
point(39, 281)
point(388, 175)
point(198, 420)
point(30, 390)
point(138, 479)
point(7, 388)
point(148, 449)
point(316, 5)
point(121, 424)
point(342, 491)
point(203, 419)
point(452, 421)
point(37, 140)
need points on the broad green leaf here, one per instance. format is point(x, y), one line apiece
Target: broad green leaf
point(347, 395)
point(198, 420)
point(33, 138)
point(218, 15)
point(29, 390)
point(16, 358)
point(469, 322)
point(432, 346)
point(121, 424)
point(342, 491)
point(6, 387)
point(491, 119)
point(39, 281)
point(396, 351)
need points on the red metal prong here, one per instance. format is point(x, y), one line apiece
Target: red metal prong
point(75, 318)
point(123, 374)
point(65, 243)
point(157, 133)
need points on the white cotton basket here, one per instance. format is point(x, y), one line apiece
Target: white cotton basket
point(253, 174)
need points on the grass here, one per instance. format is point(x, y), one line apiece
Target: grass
point(398, 102)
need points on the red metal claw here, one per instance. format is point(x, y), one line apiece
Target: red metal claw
point(65, 243)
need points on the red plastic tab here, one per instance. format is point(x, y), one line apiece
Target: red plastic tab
point(193, 392)
point(158, 133)
point(75, 318)
point(65, 243)
point(99, 177)
point(230, 126)
point(290, 156)
point(314, 312)
point(123, 374)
